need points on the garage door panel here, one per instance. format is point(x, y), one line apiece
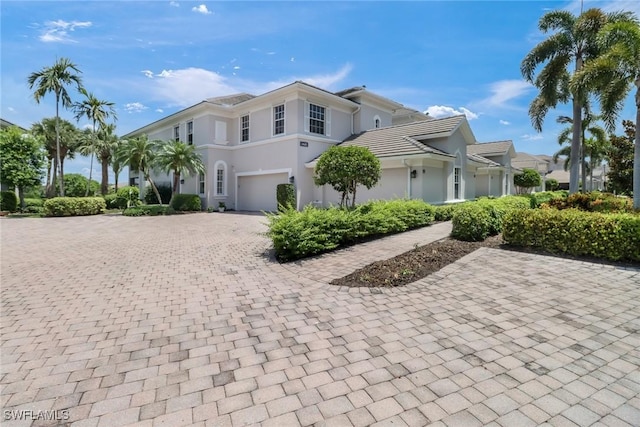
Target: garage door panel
point(258, 192)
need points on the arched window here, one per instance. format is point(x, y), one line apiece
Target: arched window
point(220, 178)
point(377, 123)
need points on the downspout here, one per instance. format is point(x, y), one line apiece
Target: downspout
point(404, 162)
point(353, 117)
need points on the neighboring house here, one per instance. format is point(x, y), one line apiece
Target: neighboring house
point(249, 144)
point(496, 177)
point(537, 163)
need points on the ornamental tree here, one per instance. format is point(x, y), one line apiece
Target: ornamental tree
point(21, 160)
point(344, 168)
point(525, 181)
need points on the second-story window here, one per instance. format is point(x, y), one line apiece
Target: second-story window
point(244, 128)
point(316, 119)
point(278, 119)
point(190, 132)
point(176, 133)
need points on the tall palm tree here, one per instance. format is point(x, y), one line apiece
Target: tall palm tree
point(116, 160)
point(572, 40)
point(139, 154)
point(98, 111)
point(54, 79)
point(179, 158)
point(106, 143)
point(613, 74)
point(63, 139)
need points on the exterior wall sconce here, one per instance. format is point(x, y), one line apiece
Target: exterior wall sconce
point(182, 181)
point(414, 173)
point(291, 179)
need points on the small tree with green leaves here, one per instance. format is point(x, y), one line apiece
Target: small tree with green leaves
point(21, 160)
point(344, 168)
point(527, 180)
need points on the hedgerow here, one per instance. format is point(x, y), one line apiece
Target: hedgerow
point(475, 221)
point(299, 234)
point(74, 206)
point(149, 210)
point(614, 236)
point(594, 201)
point(186, 203)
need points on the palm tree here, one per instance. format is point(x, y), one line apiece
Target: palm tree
point(54, 79)
point(116, 160)
point(180, 158)
point(64, 136)
point(106, 143)
point(573, 40)
point(97, 111)
point(613, 74)
point(139, 154)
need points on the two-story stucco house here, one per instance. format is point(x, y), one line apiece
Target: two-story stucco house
point(250, 144)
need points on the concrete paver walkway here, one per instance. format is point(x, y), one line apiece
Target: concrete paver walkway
point(185, 321)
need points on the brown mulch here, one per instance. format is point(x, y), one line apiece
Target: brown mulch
point(415, 264)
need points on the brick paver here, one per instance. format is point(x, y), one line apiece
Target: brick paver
point(188, 320)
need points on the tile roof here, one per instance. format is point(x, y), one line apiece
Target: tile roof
point(403, 139)
point(488, 148)
point(480, 159)
point(231, 99)
point(526, 160)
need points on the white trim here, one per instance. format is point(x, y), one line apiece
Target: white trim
point(216, 167)
point(288, 171)
point(240, 141)
point(284, 119)
point(280, 138)
point(204, 180)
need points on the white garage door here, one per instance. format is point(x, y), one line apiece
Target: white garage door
point(258, 192)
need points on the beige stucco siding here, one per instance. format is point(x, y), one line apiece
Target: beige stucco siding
point(434, 185)
point(364, 119)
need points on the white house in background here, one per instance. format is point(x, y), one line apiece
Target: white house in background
point(495, 179)
point(249, 144)
point(538, 163)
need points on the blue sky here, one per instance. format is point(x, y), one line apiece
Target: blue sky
point(154, 58)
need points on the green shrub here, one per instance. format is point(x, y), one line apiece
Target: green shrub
point(74, 206)
point(312, 231)
point(445, 212)
point(471, 222)
point(286, 196)
point(613, 236)
point(526, 180)
point(110, 201)
point(594, 201)
point(75, 185)
point(8, 201)
point(551, 184)
point(489, 221)
point(127, 197)
point(186, 203)
point(33, 205)
point(165, 194)
point(149, 210)
point(537, 199)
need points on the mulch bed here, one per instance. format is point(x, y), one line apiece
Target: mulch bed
point(415, 264)
point(424, 260)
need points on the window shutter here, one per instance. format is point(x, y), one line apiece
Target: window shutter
point(307, 116)
point(327, 122)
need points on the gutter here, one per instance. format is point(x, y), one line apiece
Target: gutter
point(353, 116)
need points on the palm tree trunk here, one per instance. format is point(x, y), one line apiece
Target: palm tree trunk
point(636, 152)
point(116, 181)
point(574, 170)
point(176, 183)
point(153, 187)
point(583, 165)
point(104, 182)
point(86, 193)
point(61, 177)
point(47, 186)
point(51, 192)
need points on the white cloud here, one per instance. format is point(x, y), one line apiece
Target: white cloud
point(135, 107)
point(58, 31)
point(11, 109)
point(292, 59)
point(147, 73)
point(504, 91)
point(159, 110)
point(201, 9)
point(237, 67)
point(174, 4)
point(188, 86)
point(504, 122)
point(438, 111)
point(528, 137)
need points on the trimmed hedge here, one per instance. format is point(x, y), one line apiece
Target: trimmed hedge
point(299, 234)
point(537, 199)
point(286, 196)
point(475, 221)
point(445, 212)
point(8, 201)
point(33, 205)
point(186, 203)
point(74, 206)
point(127, 196)
point(594, 201)
point(149, 210)
point(610, 236)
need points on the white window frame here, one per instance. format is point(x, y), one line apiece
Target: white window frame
point(275, 120)
point(202, 183)
point(243, 128)
point(220, 166)
point(190, 132)
point(457, 178)
point(307, 119)
point(176, 133)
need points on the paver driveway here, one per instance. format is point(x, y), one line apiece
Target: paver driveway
point(183, 320)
